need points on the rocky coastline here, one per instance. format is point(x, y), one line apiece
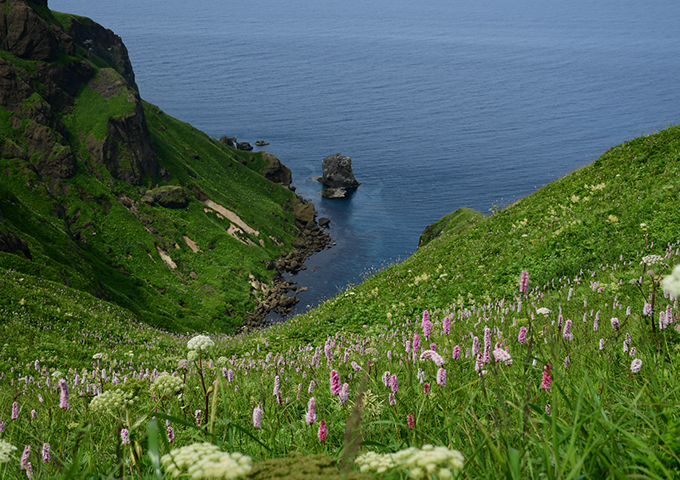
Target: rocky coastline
point(313, 238)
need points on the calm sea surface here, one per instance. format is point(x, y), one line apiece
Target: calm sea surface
point(440, 105)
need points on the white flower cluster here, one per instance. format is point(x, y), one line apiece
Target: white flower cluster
point(200, 342)
point(651, 260)
point(6, 450)
point(371, 462)
point(222, 361)
point(204, 460)
point(113, 401)
point(543, 311)
point(419, 463)
point(167, 386)
point(671, 284)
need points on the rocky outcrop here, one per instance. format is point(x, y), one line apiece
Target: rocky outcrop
point(245, 146)
point(39, 96)
point(338, 176)
point(24, 34)
point(105, 44)
point(168, 196)
point(261, 143)
point(229, 141)
point(11, 243)
point(278, 298)
point(276, 171)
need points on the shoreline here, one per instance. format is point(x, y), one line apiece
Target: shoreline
point(312, 239)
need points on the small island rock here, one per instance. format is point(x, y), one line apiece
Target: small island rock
point(337, 172)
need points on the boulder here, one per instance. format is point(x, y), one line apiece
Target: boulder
point(171, 196)
point(245, 146)
point(229, 141)
point(324, 222)
point(261, 143)
point(304, 212)
point(276, 171)
point(337, 172)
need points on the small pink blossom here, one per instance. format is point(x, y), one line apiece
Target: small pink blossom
point(257, 417)
point(547, 379)
point(410, 421)
point(323, 431)
point(125, 436)
point(522, 337)
point(171, 435)
point(310, 418)
point(426, 388)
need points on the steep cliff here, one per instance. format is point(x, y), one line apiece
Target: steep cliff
point(109, 195)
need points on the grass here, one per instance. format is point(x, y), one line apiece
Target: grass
point(575, 377)
point(598, 418)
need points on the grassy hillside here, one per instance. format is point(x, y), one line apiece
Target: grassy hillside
point(617, 209)
point(577, 377)
point(199, 267)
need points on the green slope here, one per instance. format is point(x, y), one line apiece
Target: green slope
point(202, 267)
point(588, 219)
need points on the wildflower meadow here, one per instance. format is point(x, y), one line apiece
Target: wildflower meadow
point(524, 345)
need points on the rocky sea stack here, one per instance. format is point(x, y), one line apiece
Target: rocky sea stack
point(338, 176)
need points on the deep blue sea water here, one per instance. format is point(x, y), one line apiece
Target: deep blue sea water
point(444, 104)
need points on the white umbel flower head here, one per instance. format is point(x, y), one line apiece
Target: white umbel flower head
point(543, 311)
point(651, 260)
point(200, 342)
point(6, 450)
point(167, 386)
point(113, 401)
point(671, 284)
point(204, 460)
point(420, 463)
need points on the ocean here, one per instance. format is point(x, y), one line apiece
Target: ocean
point(445, 104)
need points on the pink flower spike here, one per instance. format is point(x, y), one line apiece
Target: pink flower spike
point(410, 421)
point(311, 412)
point(615, 323)
point(392, 399)
point(447, 325)
point(522, 337)
point(344, 393)
point(15, 411)
point(46, 455)
point(323, 431)
point(547, 379)
point(456, 352)
point(335, 382)
point(24, 457)
point(441, 377)
point(524, 282)
point(386, 378)
point(257, 417)
point(426, 388)
point(171, 435)
point(432, 355)
point(63, 396)
point(394, 383)
point(125, 436)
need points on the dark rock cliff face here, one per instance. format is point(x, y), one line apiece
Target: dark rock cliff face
point(105, 44)
point(38, 94)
